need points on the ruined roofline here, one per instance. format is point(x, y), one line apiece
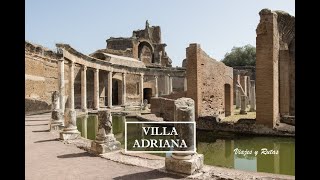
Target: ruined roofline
point(41, 50)
point(119, 38)
point(30, 44)
point(278, 12)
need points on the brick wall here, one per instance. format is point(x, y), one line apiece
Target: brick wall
point(206, 79)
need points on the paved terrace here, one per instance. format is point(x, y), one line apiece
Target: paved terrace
point(48, 158)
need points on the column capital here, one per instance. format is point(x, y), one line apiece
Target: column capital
point(141, 74)
point(96, 70)
point(71, 63)
point(84, 67)
point(124, 74)
point(156, 77)
point(62, 59)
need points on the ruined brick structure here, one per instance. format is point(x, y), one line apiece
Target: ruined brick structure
point(275, 66)
point(127, 72)
point(144, 45)
point(210, 84)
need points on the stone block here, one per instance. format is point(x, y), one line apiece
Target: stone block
point(101, 148)
point(69, 136)
point(184, 166)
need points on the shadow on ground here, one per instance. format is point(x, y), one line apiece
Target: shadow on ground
point(47, 140)
point(36, 124)
point(75, 155)
point(42, 131)
point(153, 174)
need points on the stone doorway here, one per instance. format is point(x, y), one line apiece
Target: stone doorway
point(147, 94)
point(116, 92)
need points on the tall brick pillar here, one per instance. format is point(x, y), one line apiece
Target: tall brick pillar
point(267, 75)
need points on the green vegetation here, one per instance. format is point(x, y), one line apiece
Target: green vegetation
point(241, 56)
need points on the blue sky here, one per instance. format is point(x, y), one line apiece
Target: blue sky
point(217, 25)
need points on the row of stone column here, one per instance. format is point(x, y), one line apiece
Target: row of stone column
point(84, 87)
point(242, 98)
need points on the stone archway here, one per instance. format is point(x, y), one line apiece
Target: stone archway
point(145, 52)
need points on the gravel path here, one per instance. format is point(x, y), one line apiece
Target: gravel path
point(48, 158)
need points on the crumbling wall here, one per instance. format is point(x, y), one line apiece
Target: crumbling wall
point(274, 42)
point(163, 107)
point(206, 79)
point(132, 89)
point(40, 78)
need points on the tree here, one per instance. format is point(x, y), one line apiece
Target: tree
point(241, 56)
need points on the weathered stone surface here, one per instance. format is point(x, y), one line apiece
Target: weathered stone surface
point(70, 130)
point(274, 66)
point(243, 104)
point(185, 166)
point(105, 140)
point(184, 112)
point(288, 119)
point(205, 86)
point(186, 163)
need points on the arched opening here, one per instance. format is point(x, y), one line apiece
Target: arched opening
point(227, 99)
point(147, 94)
point(145, 53)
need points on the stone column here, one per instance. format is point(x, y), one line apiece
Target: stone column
point(105, 140)
point(71, 86)
point(166, 84)
point(186, 163)
point(56, 114)
point(253, 97)
point(61, 85)
point(96, 90)
point(84, 89)
point(243, 104)
point(124, 89)
point(110, 89)
point(156, 87)
point(243, 83)
point(185, 84)
point(248, 90)
point(238, 97)
point(170, 84)
point(70, 130)
point(141, 88)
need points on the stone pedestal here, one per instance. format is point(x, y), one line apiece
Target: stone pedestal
point(189, 162)
point(243, 104)
point(56, 122)
point(70, 130)
point(185, 166)
point(109, 144)
point(105, 140)
point(56, 114)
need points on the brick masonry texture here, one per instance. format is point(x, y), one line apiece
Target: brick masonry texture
point(207, 80)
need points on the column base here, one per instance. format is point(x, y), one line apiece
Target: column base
point(243, 112)
point(56, 125)
point(107, 145)
point(184, 166)
point(252, 110)
point(66, 135)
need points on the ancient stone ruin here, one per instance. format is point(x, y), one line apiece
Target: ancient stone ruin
point(275, 67)
point(186, 163)
point(105, 140)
